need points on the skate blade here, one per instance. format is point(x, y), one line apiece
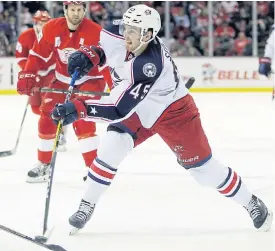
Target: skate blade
point(267, 224)
point(74, 231)
point(42, 179)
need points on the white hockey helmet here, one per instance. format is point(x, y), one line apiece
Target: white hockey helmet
point(143, 17)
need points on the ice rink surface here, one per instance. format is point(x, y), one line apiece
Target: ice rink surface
point(153, 203)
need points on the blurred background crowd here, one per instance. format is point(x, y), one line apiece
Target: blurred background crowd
point(189, 24)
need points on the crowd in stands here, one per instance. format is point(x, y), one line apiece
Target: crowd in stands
point(189, 24)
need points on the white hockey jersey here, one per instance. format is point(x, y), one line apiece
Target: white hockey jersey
point(270, 45)
point(146, 84)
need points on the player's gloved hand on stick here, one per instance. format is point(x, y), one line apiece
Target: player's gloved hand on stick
point(85, 58)
point(69, 112)
point(26, 81)
point(265, 66)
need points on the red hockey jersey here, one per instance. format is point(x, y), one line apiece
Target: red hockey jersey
point(24, 45)
point(56, 40)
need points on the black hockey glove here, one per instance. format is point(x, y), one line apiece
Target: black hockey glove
point(265, 66)
point(69, 112)
point(85, 58)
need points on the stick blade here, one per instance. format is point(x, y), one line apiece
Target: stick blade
point(6, 153)
point(55, 247)
point(44, 238)
point(41, 238)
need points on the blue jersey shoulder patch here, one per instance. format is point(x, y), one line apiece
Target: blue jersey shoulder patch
point(148, 66)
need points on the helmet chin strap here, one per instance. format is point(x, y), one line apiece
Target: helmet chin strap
point(142, 42)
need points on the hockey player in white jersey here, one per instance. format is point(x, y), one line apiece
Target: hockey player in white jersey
point(149, 94)
point(265, 62)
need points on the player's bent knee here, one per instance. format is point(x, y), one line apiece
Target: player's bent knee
point(46, 126)
point(212, 173)
point(194, 162)
point(120, 128)
point(114, 147)
point(84, 129)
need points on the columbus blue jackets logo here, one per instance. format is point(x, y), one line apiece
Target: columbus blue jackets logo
point(149, 70)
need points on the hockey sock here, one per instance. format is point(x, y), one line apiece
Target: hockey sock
point(87, 139)
point(113, 148)
point(99, 179)
point(224, 179)
point(47, 131)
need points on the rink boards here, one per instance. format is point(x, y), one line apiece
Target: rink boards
point(218, 74)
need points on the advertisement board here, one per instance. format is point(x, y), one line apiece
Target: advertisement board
point(224, 74)
point(6, 73)
point(218, 74)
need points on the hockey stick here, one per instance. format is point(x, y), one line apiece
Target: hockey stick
point(25, 237)
point(84, 93)
point(14, 149)
point(87, 93)
point(52, 164)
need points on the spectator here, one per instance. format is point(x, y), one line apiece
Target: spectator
point(241, 43)
point(224, 31)
point(1, 7)
point(181, 32)
point(5, 49)
point(160, 9)
point(26, 18)
point(186, 49)
point(96, 11)
point(230, 7)
point(188, 22)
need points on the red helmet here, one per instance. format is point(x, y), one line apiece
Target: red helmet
point(41, 15)
point(66, 3)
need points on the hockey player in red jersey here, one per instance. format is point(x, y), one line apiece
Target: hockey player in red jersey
point(24, 45)
point(59, 38)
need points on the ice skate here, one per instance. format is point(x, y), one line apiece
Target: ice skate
point(259, 213)
point(79, 219)
point(39, 174)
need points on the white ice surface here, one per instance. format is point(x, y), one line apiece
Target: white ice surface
point(153, 204)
